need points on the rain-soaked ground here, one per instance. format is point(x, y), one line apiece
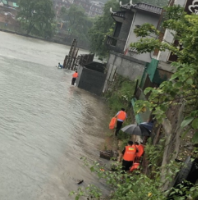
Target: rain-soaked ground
point(46, 124)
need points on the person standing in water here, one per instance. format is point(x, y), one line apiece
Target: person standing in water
point(74, 76)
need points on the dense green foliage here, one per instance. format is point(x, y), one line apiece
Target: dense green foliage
point(183, 84)
point(104, 25)
point(119, 95)
point(76, 22)
point(134, 186)
point(37, 17)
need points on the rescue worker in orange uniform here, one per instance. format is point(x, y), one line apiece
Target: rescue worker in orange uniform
point(129, 154)
point(121, 116)
point(74, 76)
point(140, 152)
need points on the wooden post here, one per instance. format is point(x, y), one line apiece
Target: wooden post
point(74, 59)
point(65, 62)
point(70, 55)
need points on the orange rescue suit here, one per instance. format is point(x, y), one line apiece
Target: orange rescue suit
point(130, 153)
point(75, 75)
point(121, 115)
point(140, 150)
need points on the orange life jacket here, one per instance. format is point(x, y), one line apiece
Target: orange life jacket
point(140, 150)
point(130, 153)
point(135, 166)
point(75, 75)
point(112, 123)
point(121, 115)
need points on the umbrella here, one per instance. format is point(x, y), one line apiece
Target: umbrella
point(134, 129)
point(147, 125)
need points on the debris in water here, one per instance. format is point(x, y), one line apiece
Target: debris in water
point(79, 182)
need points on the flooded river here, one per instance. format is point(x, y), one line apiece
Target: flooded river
point(46, 124)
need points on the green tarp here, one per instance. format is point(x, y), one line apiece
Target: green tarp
point(15, 5)
point(4, 2)
point(137, 116)
point(151, 68)
point(152, 71)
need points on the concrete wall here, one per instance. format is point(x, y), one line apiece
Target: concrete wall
point(90, 80)
point(125, 29)
point(123, 65)
point(180, 2)
point(140, 18)
point(79, 70)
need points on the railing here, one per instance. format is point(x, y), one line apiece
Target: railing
point(111, 41)
point(119, 14)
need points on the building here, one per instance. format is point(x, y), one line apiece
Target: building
point(122, 59)
point(10, 3)
point(159, 68)
point(8, 13)
point(95, 9)
point(92, 8)
point(191, 6)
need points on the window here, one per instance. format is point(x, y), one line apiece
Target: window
point(117, 29)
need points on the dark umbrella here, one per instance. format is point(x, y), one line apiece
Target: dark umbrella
point(147, 125)
point(134, 129)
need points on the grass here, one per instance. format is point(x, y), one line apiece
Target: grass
point(119, 95)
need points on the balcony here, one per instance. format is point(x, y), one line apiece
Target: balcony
point(115, 44)
point(111, 41)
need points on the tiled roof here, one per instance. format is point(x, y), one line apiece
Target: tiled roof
point(143, 6)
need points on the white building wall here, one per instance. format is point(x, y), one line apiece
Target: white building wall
point(168, 37)
point(139, 19)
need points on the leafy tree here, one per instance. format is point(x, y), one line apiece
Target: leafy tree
point(104, 25)
point(183, 84)
point(76, 22)
point(37, 17)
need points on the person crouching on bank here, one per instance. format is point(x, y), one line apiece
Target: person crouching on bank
point(129, 154)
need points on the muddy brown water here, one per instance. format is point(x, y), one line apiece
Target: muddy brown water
point(46, 125)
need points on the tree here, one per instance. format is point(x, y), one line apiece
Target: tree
point(37, 17)
point(76, 22)
point(183, 84)
point(104, 25)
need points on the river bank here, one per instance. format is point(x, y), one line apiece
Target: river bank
point(53, 40)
